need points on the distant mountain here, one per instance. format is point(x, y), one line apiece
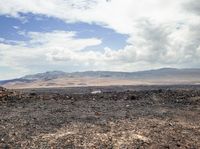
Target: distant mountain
point(49, 75)
point(36, 77)
point(148, 74)
point(61, 79)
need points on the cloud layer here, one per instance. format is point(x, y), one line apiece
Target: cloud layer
point(161, 34)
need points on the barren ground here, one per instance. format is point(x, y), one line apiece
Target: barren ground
point(120, 117)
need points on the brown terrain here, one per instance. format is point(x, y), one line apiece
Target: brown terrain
point(94, 81)
point(119, 117)
point(55, 79)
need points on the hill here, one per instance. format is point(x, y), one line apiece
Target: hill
point(105, 78)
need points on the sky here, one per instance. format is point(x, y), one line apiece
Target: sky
point(110, 35)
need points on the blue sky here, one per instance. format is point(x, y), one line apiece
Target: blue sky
point(79, 35)
point(11, 28)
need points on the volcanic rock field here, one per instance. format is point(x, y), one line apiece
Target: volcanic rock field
point(118, 117)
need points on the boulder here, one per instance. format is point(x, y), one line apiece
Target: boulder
point(2, 92)
point(2, 88)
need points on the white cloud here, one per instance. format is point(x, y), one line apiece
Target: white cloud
point(120, 15)
point(60, 40)
point(161, 33)
point(16, 27)
point(44, 50)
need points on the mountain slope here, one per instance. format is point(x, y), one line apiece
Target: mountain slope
point(99, 78)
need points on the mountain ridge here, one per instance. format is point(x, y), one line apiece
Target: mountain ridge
point(51, 78)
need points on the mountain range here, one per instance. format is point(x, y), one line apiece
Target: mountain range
point(100, 78)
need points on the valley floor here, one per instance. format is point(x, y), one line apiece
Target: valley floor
point(112, 117)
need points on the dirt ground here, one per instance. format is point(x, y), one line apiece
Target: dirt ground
point(115, 117)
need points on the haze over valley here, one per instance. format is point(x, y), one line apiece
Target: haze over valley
point(164, 76)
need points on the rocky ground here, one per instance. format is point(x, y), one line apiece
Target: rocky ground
point(104, 117)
